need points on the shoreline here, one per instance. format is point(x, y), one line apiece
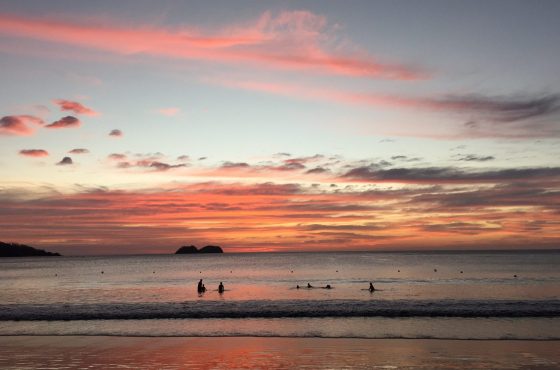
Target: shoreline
point(243, 336)
point(273, 352)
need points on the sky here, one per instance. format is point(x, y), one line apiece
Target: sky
point(138, 126)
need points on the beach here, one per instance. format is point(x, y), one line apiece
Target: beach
point(100, 352)
point(428, 311)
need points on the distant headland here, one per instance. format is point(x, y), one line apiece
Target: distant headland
point(20, 250)
point(191, 249)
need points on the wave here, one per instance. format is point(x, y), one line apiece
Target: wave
point(281, 309)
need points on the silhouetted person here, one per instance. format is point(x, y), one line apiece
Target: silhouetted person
point(297, 286)
point(200, 287)
point(221, 288)
point(371, 287)
point(328, 286)
point(309, 285)
point(203, 288)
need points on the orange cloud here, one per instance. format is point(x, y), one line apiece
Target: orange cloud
point(293, 40)
point(283, 217)
point(18, 125)
point(78, 108)
point(34, 152)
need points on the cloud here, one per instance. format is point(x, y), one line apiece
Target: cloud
point(169, 112)
point(161, 166)
point(488, 108)
point(289, 40)
point(79, 151)
point(504, 109)
point(183, 158)
point(373, 173)
point(149, 162)
point(404, 158)
point(34, 152)
point(72, 106)
point(474, 158)
point(116, 133)
point(235, 165)
point(117, 156)
point(18, 125)
point(65, 161)
point(317, 170)
point(283, 216)
point(65, 122)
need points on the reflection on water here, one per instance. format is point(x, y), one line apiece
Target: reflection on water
point(173, 278)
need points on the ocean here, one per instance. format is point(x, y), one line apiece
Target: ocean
point(418, 295)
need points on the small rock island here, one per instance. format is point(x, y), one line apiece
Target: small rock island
point(20, 250)
point(191, 249)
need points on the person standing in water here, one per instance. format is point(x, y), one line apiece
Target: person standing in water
point(371, 288)
point(221, 288)
point(200, 287)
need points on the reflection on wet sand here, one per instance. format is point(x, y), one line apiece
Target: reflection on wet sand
point(272, 353)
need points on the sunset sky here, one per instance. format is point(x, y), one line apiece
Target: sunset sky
point(141, 126)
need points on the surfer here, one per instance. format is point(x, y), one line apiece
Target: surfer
point(371, 287)
point(221, 288)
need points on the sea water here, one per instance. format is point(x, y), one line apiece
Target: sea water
point(458, 295)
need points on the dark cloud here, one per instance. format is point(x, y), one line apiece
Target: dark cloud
point(79, 151)
point(474, 158)
point(65, 161)
point(317, 170)
point(235, 165)
point(161, 166)
point(448, 174)
point(183, 158)
point(65, 122)
point(117, 156)
point(116, 133)
point(317, 227)
point(404, 158)
point(512, 195)
point(502, 109)
point(202, 158)
point(267, 188)
point(469, 228)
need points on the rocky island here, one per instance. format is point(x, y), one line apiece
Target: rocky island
point(20, 250)
point(191, 249)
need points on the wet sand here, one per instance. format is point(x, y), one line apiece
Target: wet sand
point(96, 352)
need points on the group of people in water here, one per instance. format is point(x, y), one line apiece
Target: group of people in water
point(328, 286)
point(201, 288)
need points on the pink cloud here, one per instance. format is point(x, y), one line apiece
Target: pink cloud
point(18, 125)
point(34, 152)
point(65, 122)
point(116, 133)
point(77, 108)
point(291, 40)
point(169, 112)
